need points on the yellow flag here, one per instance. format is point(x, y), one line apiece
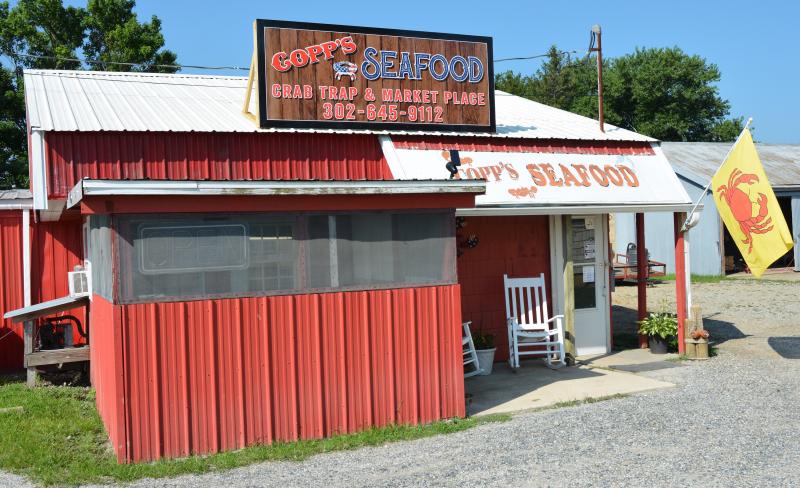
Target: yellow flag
point(748, 207)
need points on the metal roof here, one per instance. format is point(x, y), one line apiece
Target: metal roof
point(317, 187)
point(698, 161)
point(46, 308)
point(15, 199)
point(111, 101)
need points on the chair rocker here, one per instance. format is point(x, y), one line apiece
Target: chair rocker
point(471, 365)
point(530, 331)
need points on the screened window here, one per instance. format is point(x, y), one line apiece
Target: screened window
point(177, 258)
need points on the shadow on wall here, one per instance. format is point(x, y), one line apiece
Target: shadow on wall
point(786, 347)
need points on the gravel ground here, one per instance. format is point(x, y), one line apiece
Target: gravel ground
point(731, 421)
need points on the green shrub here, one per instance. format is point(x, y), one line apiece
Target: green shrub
point(660, 324)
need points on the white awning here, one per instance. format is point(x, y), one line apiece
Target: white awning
point(553, 183)
point(87, 188)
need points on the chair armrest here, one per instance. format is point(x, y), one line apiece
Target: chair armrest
point(554, 317)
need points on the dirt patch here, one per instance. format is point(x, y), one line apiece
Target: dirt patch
point(746, 318)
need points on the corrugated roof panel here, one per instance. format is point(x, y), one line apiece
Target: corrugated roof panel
point(700, 160)
point(87, 101)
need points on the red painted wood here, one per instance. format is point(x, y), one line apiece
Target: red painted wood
point(518, 246)
point(72, 156)
point(206, 376)
point(680, 280)
point(641, 275)
point(11, 290)
point(495, 144)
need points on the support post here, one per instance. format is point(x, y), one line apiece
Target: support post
point(641, 275)
point(680, 280)
point(569, 293)
point(28, 349)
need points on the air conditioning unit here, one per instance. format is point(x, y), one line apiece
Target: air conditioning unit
point(79, 283)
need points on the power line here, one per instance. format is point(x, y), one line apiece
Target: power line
point(523, 58)
point(236, 68)
point(119, 63)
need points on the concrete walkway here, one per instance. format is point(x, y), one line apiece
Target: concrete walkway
point(535, 386)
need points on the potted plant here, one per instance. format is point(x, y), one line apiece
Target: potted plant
point(484, 347)
point(659, 327)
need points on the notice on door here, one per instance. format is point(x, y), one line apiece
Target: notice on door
point(588, 274)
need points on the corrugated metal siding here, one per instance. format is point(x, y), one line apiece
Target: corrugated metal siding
point(207, 376)
point(704, 252)
point(700, 160)
point(517, 246)
point(11, 289)
point(556, 146)
point(217, 157)
point(56, 248)
point(106, 372)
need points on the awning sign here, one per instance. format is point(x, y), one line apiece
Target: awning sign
point(552, 179)
point(320, 75)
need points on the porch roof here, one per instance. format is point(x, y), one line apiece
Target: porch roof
point(87, 187)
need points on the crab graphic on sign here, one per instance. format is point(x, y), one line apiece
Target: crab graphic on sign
point(345, 68)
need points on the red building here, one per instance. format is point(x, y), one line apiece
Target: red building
point(251, 285)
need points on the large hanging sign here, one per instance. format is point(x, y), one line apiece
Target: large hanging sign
point(320, 75)
point(520, 179)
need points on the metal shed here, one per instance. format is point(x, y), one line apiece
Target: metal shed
point(695, 164)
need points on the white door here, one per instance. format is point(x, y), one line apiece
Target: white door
point(589, 255)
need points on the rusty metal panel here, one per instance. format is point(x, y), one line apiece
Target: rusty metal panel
point(11, 289)
point(556, 146)
point(206, 376)
point(215, 157)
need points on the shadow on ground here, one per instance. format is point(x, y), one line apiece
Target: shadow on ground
point(625, 328)
point(786, 347)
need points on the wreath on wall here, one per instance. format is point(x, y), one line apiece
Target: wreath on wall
point(464, 241)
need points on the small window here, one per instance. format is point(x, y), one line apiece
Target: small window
point(172, 258)
point(187, 249)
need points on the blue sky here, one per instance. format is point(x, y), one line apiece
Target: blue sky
point(753, 43)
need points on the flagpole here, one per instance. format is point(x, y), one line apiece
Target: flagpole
point(703, 194)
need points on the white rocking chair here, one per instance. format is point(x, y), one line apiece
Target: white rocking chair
point(468, 351)
point(530, 331)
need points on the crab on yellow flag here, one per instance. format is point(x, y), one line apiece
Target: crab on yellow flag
point(748, 207)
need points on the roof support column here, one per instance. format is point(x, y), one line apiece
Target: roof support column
point(680, 279)
point(641, 275)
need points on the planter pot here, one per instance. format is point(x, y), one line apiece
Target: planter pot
point(657, 345)
point(486, 360)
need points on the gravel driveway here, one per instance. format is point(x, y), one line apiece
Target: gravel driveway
point(732, 421)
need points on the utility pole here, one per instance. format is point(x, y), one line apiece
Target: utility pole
point(597, 46)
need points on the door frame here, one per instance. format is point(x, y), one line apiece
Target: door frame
point(557, 260)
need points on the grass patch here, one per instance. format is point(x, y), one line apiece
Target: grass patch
point(575, 403)
point(678, 359)
point(695, 278)
point(59, 439)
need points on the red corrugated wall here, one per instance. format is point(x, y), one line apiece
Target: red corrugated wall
point(206, 376)
point(56, 248)
point(518, 246)
point(11, 289)
point(106, 371)
point(72, 156)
